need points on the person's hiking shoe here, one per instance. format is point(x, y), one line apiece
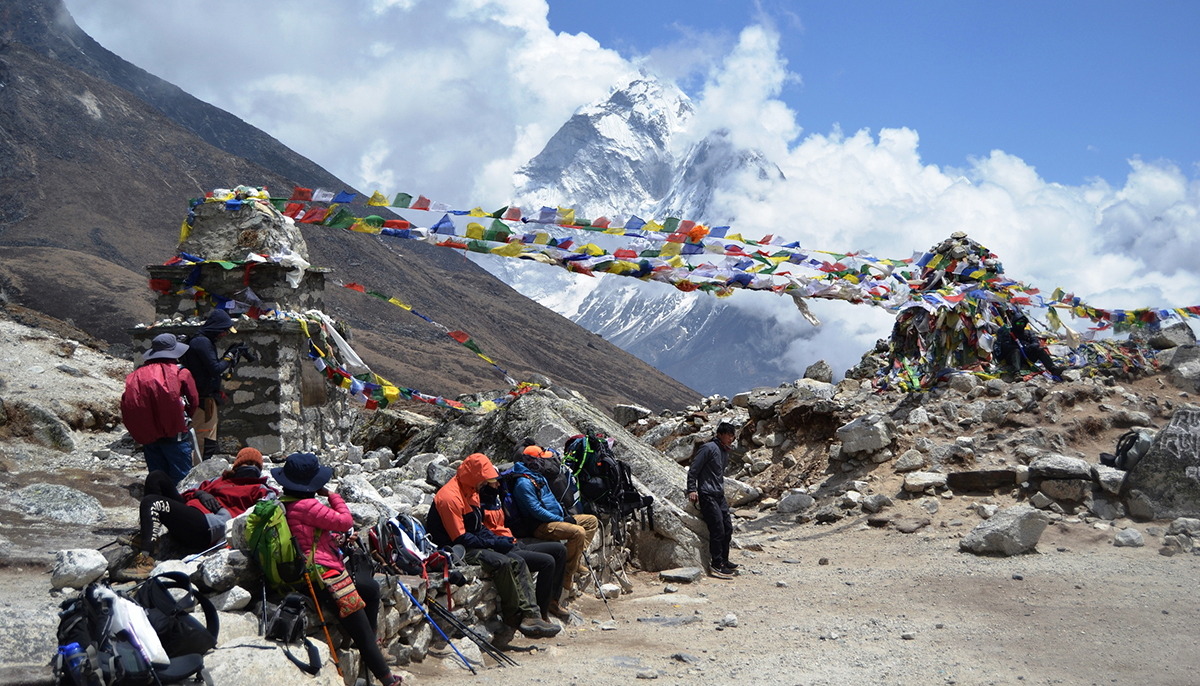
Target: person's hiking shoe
point(134, 541)
point(731, 565)
point(140, 568)
point(730, 569)
point(549, 629)
point(559, 611)
point(531, 627)
point(720, 573)
point(393, 680)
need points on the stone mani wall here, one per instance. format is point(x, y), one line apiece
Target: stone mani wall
point(280, 402)
point(266, 281)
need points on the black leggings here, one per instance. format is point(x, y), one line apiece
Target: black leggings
point(162, 506)
point(360, 625)
point(549, 561)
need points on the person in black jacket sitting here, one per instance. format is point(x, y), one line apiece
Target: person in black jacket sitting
point(1018, 343)
point(706, 488)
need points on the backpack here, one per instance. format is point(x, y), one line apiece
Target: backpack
point(272, 545)
point(402, 544)
point(111, 655)
point(152, 406)
point(605, 483)
point(557, 475)
point(1132, 446)
point(289, 624)
point(179, 631)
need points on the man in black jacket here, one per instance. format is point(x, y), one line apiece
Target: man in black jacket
point(207, 367)
point(706, 488)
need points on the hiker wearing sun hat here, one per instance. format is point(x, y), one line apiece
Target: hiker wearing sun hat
point(357, 600)
point(159, 398)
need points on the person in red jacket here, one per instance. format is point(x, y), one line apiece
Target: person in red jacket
point(312, 524)
point(195, 519)
point(160, 397)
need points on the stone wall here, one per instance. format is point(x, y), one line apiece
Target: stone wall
point(278, 403)
point(268, 282)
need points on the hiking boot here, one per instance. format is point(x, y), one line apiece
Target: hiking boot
point(393, 680)
point(730, 569)
point(140, 568)
point(731, 565)
point(720, 573)
point(531, 627)
point(548, 629)
point(559, 611)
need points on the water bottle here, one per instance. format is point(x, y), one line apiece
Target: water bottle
point(74, 658)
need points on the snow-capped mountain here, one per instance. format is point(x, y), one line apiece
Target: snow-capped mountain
point(614, 158)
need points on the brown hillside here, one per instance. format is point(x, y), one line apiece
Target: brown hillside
point(94, 184)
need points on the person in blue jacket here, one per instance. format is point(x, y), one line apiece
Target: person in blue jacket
point(531, 495)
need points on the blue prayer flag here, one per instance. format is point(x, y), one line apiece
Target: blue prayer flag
point(345, 198)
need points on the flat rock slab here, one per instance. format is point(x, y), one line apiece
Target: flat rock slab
point(910, 525)
point(981, 480)
point(879, 519)
point(670, 621)
point(681, 575)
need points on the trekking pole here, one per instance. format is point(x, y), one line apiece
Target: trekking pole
point(435, 625)
point(599, 590)
point(202, 553)
point(474, 636)
point(321, 616)
point(470, 633)
point(197, 457)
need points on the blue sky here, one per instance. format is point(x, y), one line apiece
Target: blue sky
point(1073, 88)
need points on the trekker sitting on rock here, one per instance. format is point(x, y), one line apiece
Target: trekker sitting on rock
point(456, 518)
point(547, 560)
point(532, 495)
point(312, 524)
point(159, 398)
point(1019, 344)
point(706, 488)
point(195, 519)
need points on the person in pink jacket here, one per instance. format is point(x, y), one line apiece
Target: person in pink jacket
point(303, 479)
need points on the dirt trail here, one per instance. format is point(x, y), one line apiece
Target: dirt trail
point(1078, 612)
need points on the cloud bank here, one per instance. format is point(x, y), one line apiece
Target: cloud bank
point(448, 98)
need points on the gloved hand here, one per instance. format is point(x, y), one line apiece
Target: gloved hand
point(569, 519)
point(209, 502)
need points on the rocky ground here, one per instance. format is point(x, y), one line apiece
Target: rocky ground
point(832, 589)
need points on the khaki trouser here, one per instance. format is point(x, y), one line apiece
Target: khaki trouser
point(205, 424)
point(577, 537)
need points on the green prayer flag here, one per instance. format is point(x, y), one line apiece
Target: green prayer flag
point(344, 219)
point(279, 203)
point(373, 220)
point(478, 246)
point(402, 200)
point(499, 213)
point(671, 224)
point(474, 348)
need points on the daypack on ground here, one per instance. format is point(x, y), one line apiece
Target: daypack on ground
point(1132, 446)
point(272, 545)
point(179, 631)
point(152, 405)
point(288, 625)
point(113, 656)
point(605, 483)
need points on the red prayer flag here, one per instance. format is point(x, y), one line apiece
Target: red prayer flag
point(301, 194)
point(396, 224)
point(315, 215)
point(625, 254)
point(601, 223)
point(293, 209)
point(460, 336)
point(356, 287)
point(513, 214)
point(422, 203)
point(160, 285)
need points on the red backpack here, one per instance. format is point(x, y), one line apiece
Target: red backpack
point(153, 405)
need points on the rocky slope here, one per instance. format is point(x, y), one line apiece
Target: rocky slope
point(95, 184)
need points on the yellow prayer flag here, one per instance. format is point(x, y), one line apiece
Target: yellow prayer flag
point(508, 249)
point(615, 230)
point(621, 267)
point(566, 216)
point(391, 393)
point(593, 250)
point(362, 227)
point(378, 199)
point(541, 238)
point(670, 250)
point(677, 262)
point(478, 212)
point(735, 237)
point(475, 230)
point(485, 358)
point(487, 406)
point(1053, 320)
point(184, 231)
point(399, 304)
point(652, 226)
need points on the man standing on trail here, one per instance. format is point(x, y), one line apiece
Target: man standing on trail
point(207, 368)
point(706, 488)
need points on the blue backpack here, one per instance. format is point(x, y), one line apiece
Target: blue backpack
point(514, 517)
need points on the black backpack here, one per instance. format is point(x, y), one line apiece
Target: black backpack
point(606, 483)
point(111, 659)
point(179, 631)
point(288, 624)
point(557, 475)
point(1131, 447)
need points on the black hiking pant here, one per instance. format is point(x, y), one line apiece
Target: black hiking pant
point(360, 625)
point(163, 507)
point(715, 510)
point(512, 573)
point(548, 560)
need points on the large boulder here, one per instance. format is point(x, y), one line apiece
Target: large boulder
point(1185, 376)
point(551, 420)
point(819, 371)
point(1055, 466)
point(77, 568)
point(253, 661)
point(865, 434)
point(1168, 476)
point(46, 429)
point(1008, 532)
point(255, 226)
point(390, 428)
point(628, 414)
point(1172, 336)
point(58, 503)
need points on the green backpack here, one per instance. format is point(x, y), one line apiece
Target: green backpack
point(273, 547)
